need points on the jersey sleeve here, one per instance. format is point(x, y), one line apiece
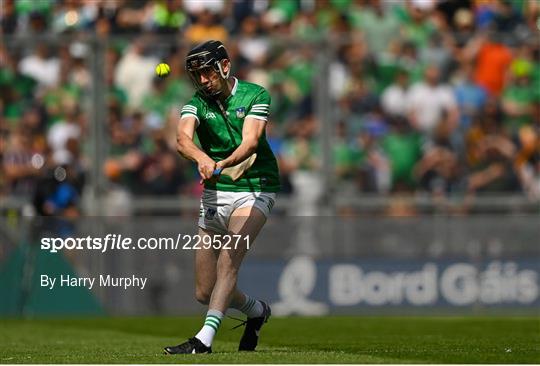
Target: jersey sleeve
point(260, 108)
point(191, 110)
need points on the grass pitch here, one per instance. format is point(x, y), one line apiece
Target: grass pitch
point(283, 340)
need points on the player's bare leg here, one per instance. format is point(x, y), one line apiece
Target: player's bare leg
point(205, 274)
point(205, 269)
point(205, 278)
point(246, 222)
point(206, 261)
point(216, 273)
point(216, 276)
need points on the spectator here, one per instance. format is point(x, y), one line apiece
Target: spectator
point(519, 95)
point(156, 103)
point(72, 16)
point(59, 135)
point(360, 99)
point(506, 19)
point(131, 16)
point(302, 159)
point(252, 46)
point(134, 73)
point(491, 155)
point(167, 16)
point(41, 67)
point(378, 27)
point(454, 14)
point(437, 171)
point(409, 59)
point(527, 163)
point(464, 27)
point(437, 53)
point(306, 25)
point(430, 103)
point(403, 148)
point(162, 172)
point(8, 18)
point(470, 97)
point(374, 170)
point(532, 12)
point(394, 97)
point(491, 62)
point(277, 143)
point(33, 16)
point(342, 154)
point(20, 167)
point(127, 152)
point(488, 121)
point(494, 171)
point(57, 193)
point(205, 26)
point(417, 25)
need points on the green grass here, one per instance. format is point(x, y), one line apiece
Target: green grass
point(283, 340)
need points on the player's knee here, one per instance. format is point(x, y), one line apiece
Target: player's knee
point(202, 295)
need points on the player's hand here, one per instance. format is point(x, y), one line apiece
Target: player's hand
point(220, 165)
point(214, 178)
point(206, 168)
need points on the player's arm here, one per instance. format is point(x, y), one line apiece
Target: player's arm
point(187, 148)
point(251, 133)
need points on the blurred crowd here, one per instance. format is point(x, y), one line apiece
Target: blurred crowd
point(437, 97)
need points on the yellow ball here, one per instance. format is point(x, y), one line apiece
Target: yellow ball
point(163, 70)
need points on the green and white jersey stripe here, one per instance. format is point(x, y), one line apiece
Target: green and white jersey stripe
point(259, 111)
point(189, 110)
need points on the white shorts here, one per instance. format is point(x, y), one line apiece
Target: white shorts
point(218, 206)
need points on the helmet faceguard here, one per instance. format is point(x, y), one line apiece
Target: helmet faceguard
point(205, 58)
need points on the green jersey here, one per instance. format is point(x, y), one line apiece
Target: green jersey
point(219, 130)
